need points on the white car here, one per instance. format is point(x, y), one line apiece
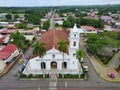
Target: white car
point(85, 68)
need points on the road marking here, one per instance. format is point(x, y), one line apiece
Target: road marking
point(66, 84)
point(38, 88)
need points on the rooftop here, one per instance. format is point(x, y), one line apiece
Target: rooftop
point(89, 28)
point(7, 51)
point(52, 37)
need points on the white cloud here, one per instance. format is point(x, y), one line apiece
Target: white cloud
point(55, 2)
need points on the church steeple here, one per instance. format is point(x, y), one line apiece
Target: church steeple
point(74, 40)
point(75, 28)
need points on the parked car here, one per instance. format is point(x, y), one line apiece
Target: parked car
point(20, 61)
point(85, 68)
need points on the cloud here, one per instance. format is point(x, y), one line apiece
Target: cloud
point(55, 2)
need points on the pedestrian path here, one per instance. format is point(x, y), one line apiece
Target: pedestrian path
point(115, 60)
point(53, 82)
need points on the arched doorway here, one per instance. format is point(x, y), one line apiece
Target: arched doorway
point(53, 65)
point(43, 65)
point(64, 65)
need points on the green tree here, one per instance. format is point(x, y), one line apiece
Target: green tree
point(8, 17)
point(38, 49)
point(66, 24)
point(1, 27)
point(80, 54)
point(21, 25)
point(46, 25)
point(19, 40)
point(63, 48)
point(16, 16)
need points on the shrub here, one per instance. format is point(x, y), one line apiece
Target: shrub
point(30, 76)
point(60, 75)
point(40, 76)
point(82, 76)
point(46, 75)
point(23, 76)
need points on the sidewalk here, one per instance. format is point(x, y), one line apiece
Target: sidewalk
point(101, 70)
point(6, 69)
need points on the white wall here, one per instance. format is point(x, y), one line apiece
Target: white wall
point(2, 65)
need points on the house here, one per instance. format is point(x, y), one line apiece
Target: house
point(7, 53)
point(4, 24)
point(4, 40)
point(7, 31)
point(89, 29)
point(115, 29)
point(106, 18)
point(2, 15)
point(53, 59)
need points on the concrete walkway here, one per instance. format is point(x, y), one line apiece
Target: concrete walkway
point(53, 82)
point(101, 70)
point(115, 60)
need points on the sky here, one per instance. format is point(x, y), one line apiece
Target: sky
point(9, 3)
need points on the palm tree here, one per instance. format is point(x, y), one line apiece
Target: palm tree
point(63, 48)
point(18, 39)
point(80, 54)
point(40, 51)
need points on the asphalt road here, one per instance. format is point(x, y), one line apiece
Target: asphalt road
point(93, 82)
point(52, 21)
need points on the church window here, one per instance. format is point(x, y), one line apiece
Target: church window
point(43, 65)
point(53, 55)
point(74, 54)
point(74, 35)
point(37, 59)
point(64, 65)
point(74, 44)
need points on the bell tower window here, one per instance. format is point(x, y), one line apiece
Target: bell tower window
point(74, 44)
point(74, 35)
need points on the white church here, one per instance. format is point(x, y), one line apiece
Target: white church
point(52, 61)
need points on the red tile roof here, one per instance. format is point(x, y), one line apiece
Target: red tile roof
point(7, 51)
point(89, 28)
point(4, 55)
point(106, 17)
point(116, 30)
point(52, 37)
point(2, 39)
point(7, 31)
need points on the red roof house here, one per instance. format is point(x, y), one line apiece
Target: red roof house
point(7, 51)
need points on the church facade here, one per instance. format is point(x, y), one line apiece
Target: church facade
point(53, 60)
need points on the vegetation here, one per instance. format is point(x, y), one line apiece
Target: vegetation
point(82, 21)
point(46, 25)
point(8, 17)
point(19, 40)
point(104, 45)
point(21, 25)
point(33, 76)
point(1, 27)
point(80, 54)
point(32, 15)
point(69, 76)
